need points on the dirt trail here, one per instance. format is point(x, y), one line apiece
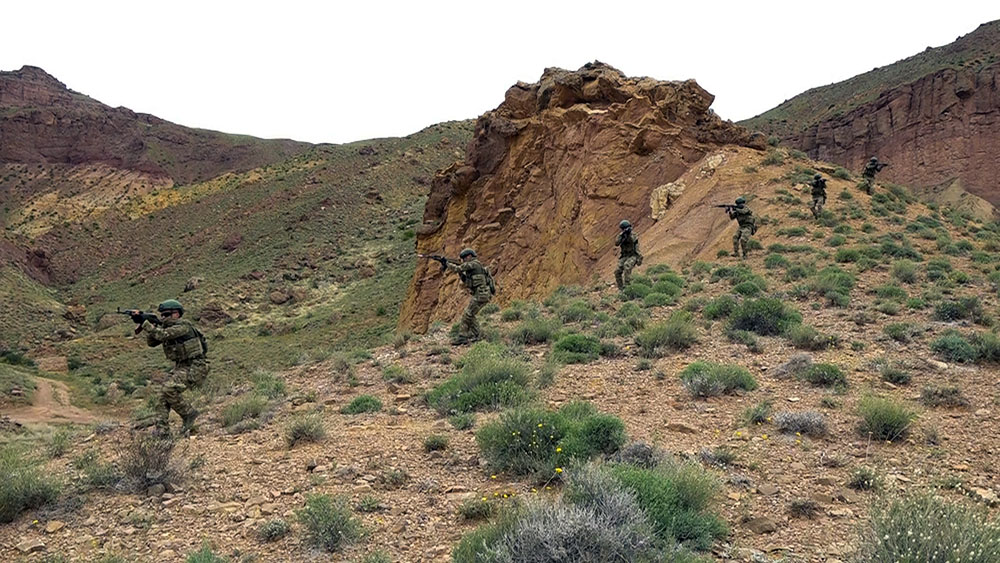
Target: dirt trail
point(49, 404)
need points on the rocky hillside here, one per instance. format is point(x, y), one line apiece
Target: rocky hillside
point(881, 298)
point(934, 116)
point(551, 172)
point(44, 122)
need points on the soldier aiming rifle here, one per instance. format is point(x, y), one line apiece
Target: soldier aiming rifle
point(478, 280)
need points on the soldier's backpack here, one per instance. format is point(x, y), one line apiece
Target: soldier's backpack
point(490, 282)
point(204, 342)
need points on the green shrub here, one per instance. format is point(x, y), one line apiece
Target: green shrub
point(774, 158)
point(943, 396)
point(397, 374)
point(719, 307)
point(267, 384)
point(825, 375)
point(746, 338)
point(490, 378)
point(706, 379)
point(864, 479)
point(747, 289)
point(900, 332)
point(805, 337)
point(792, 232)
point(765, 316)
point(58, 443)
point(534, 331)
point(962, 308)
point(97, 474)
point(952, 346)
point(847, 255)
point(576, 349)
point(884, 419)
point(273, 530)
point(904, 271)
point(25, 485)
point(578, 310)
point(834, 284)
point(362, 404)
point(891, 291)
point(435, 442)
point(308, 428)
point(328, 522)
point(676, 497)
point(657, 300)
point(678, 333)
point(895, 376)
point(540, 442)
point(774, 261)
point(462, 421)
point(147, 460)
point(237, 415)
point(636, 290)
point(514, 312)
point(841, 173)
point(757, 414)
point(205, 555)
point(926, 527)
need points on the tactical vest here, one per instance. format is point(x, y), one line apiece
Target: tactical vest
point(475, 277)
point(744, 217)
point(187, 347)
point(629, 244)
point(819, 187)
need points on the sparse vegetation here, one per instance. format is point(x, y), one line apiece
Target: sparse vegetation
point(306, 428)
point(765, 316)
point(678, 333)
point(943, 396)
point(825, 375)
point(864, 479)
point(576, 349)
point(273, 530)
point(328, 522)
point(884, 419)
point(806, 423)
point(490, 378)
point(362, 404)
point(25, 486)
point(706, 379)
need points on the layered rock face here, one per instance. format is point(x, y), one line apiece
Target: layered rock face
point(939, 129)
point(551, 172)
point(42, 121)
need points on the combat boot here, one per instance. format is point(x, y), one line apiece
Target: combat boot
point(188, 427)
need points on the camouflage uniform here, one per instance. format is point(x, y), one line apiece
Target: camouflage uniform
point(868, 174)
point(630, 257)
point(819, 196)
point(182, 344)
point(474, 277)
point(744, 217)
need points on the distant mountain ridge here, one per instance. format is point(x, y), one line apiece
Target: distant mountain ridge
point(43, 121)
point(935, 116)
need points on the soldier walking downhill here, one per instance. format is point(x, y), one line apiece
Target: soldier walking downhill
point(819, 195)
point(184, 345)
point(479, 282)
point(629, 258)
point(747, 226)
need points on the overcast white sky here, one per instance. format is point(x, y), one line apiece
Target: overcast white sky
point(357, 69)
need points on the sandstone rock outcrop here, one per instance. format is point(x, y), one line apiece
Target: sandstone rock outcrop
point(941, 128)
point(551, 172)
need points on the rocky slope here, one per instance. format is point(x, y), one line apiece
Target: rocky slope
point(44, 122)
point(934, 116)
point(552, 171)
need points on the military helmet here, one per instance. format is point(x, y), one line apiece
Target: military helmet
point(624, 224)
point(467, 252)
point(817, 177)
point(741, 200)
point(873, 159)
point(170, 305)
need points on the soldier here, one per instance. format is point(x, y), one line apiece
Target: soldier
point(184, 345)
point(629, 258)
point(479, 282)
point(747, 226)
point(819, 195)
point(868, 174)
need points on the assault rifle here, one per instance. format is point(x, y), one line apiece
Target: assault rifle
point(443, 260)
point(138, 317)
point(727, 206)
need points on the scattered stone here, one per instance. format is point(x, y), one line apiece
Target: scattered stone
point(826, 481)
point(986, 496)
point(193, 283)
point(938, 365)
point(983, 412)
point(822, 498)
point(167, 555)
point(847, 495)
point(31, 546)
point(767, 490)
point(402, 397)
point(797, 466)
point(681, 427)
point(761, 525)
point(156, 490)
point(841, 513)
point(54, 526)
point(793, 399)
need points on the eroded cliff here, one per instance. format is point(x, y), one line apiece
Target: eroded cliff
point(551, 172)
